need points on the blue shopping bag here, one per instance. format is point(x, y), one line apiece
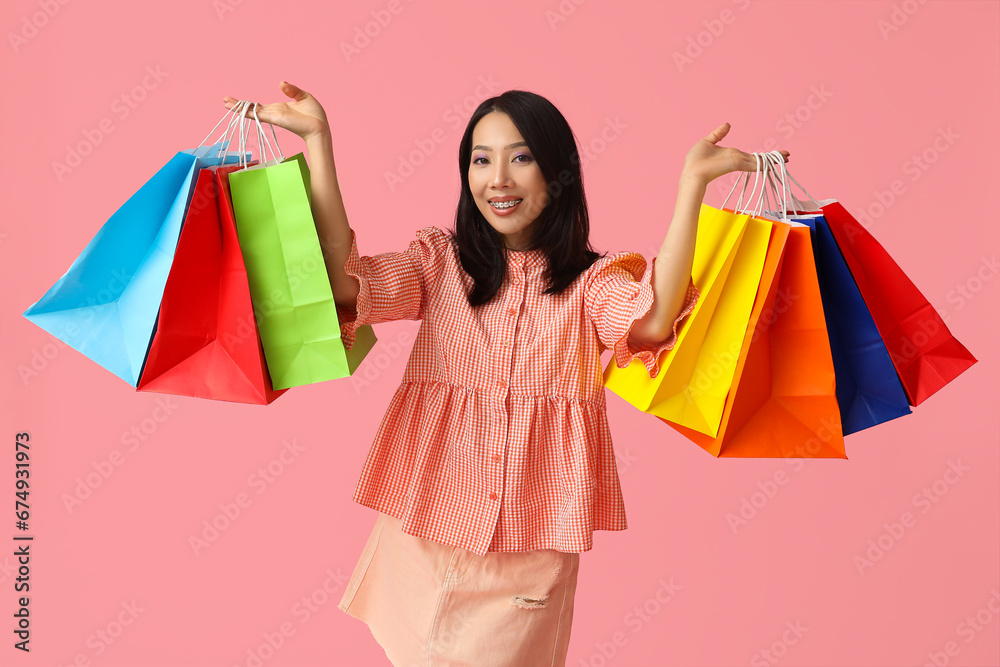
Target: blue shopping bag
point(868, 388)
point(106, 303)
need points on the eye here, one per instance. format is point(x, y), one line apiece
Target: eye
point(527, 158)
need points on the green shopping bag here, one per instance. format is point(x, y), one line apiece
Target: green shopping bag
point(289, 284)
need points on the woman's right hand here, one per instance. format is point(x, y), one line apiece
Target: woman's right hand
point(303, 116)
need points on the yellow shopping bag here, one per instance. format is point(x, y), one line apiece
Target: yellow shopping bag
point(704, 378)
point(720, 236)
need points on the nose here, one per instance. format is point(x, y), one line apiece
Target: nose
point(501, 175)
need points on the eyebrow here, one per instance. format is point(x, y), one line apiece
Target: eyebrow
point(480, 147)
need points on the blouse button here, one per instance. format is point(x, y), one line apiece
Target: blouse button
point(512, 312)
point(503, 383)
point(506, 343)
point(496, 457)
point(516, 281)
point(493, 496)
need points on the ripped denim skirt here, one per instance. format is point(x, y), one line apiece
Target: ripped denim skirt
point(429, 604)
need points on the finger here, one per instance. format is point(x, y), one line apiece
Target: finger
point(265, 113)
point(293, 91)
point(251, 111)
point(231, 102)
point(718, 133)
point(750, 163)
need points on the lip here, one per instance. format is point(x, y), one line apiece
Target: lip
point(504, 198)
point(506, 211)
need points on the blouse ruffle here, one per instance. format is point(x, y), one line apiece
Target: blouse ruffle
point(403, 285)
point(619, 293)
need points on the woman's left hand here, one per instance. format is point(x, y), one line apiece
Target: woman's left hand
point(707, 161)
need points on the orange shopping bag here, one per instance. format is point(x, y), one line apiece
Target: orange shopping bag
point(783, 401)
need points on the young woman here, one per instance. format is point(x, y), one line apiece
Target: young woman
point(494, 464)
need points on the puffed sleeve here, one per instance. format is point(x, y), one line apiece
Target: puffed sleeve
point(618, 292)
point(394, 285)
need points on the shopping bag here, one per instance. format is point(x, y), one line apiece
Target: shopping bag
point(868, 389)
point(924, 352)
point(693, 386)
point(718, 243)
point(289, 284)
point(106, 303)
point(783, 401)
point(700, 401)
point(206, 342)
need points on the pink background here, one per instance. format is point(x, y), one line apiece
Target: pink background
point(877, 100)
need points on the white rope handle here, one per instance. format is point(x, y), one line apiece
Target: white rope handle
point(231, 115)
point(804, 203)
point(244, 127)
point(773, 158)
point(799, 203)
point(237, 115)
point(261, 135)
point(763, 167)
point(271, 125)
point(776, 163)
point(739, 202)
point(233, 121)
point(770, 166)
point(262, 141)
point(779, 160)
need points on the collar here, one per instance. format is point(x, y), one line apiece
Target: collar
point(532, 258)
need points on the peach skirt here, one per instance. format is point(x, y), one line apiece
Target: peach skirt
point(428, 604)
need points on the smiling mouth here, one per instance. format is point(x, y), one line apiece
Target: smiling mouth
point(501, 205)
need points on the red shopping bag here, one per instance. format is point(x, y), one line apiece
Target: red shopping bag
point(925, 353)
point(206, 342)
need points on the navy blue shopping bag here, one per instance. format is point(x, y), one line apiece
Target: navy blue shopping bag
point(868, 388)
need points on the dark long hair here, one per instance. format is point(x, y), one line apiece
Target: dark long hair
point(562, 228)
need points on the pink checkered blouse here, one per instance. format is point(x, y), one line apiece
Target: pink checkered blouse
point(497, 438)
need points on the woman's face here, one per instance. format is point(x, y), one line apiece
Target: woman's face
point(503, 169)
